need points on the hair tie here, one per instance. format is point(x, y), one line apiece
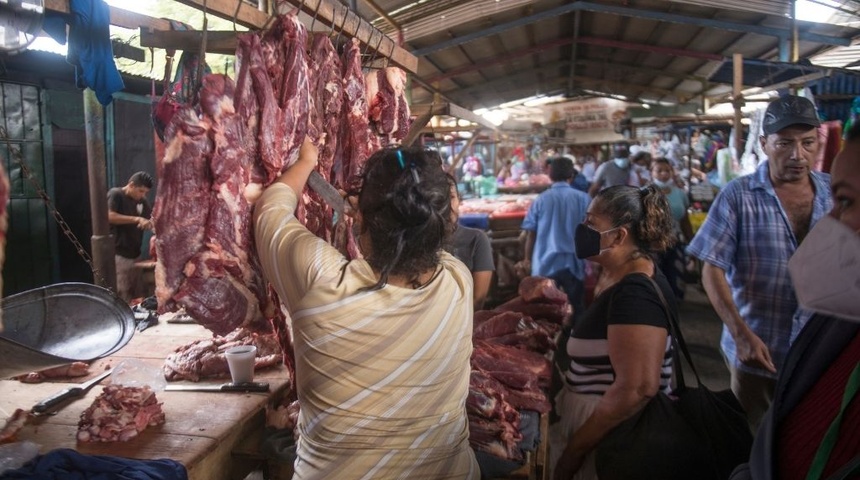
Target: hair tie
point(400, 160)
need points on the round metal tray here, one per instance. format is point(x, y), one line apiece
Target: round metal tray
point(62, 323)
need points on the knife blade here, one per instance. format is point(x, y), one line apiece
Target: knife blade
point(224, 387)
point(58, 399)
point(325, 190)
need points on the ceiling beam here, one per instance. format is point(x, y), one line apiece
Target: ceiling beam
point(782, 33)
point(659, 72)
point(500, 59)
point(675, 52)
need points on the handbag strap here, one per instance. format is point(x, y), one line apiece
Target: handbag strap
point(822, 455)
point(677, 337)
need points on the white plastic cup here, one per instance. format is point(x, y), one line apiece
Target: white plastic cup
point(241, 362)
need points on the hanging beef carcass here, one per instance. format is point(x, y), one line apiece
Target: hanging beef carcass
point(283, 95)
point(388, 109)
point(182, 203)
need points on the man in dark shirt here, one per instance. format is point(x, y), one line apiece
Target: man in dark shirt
point(128, 215)
point(472, 247)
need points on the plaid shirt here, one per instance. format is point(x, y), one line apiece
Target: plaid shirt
point(748, 234)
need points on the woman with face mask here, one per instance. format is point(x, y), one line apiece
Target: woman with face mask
point(673, 261)
point(812, 429)
point(620, 347)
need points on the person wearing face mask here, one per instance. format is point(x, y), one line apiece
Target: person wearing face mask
point(755, 224)
point(812, 429)
point(672, 261)
point(614, 172)
point(620, 349)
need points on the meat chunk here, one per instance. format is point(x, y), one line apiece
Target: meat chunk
point(13, 425)
point(119, 414)
point(205, 358)
point(541, 290)
point(553, 312)
point(70, 370)
point(388, 109)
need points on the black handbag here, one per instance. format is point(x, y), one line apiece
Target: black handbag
point(694, 433)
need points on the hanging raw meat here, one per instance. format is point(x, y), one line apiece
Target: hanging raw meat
point(388, 109)
point(356, 142)
point(182, 203)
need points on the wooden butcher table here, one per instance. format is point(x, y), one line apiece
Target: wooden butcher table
point(201, 430)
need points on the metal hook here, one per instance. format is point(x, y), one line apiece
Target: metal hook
point(342, 23)
point(376, 51)
point(390, 52)
point(316, 12)
point(367, 45)
point(236, 14)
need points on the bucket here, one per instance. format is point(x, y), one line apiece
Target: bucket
point(59, 324)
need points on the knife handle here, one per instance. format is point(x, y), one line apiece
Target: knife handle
point(245, 387)
point(58, 398)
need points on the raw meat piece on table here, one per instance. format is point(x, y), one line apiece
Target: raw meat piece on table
point(205, 358)
point(541, 290)
point(553, 312)
point(119, 414)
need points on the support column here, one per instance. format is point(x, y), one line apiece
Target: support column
point(102, 241)
point(738, 101)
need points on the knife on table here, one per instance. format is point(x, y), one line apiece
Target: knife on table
point(325, 190)
point(56, 400)
point(224, 387)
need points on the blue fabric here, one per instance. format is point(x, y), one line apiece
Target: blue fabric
point(553, 216)
point(748, 234)
point(678, 203)
point(90, 49)
point(68, 464)
point(580, 183)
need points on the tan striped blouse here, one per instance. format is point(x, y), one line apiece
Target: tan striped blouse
point(382, 376)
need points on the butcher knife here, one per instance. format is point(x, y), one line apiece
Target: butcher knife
point(325, 190)
point(224, 387)
point(50, 403)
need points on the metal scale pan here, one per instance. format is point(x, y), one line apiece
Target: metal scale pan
point(58, 324)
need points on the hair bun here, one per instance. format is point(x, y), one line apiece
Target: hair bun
point(413, 207)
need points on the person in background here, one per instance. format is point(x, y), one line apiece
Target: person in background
point(589, 168)
point(472, 247)
point(615, 172)
point(504, 172)
point(382, 343)
point(641, 168)
point(548, 230)
point(128, 216)
point(753, 227)
point(824, 360)
point(672, 262)
point(579, 181)
point(620, 348)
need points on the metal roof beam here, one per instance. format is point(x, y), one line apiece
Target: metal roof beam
point(781, 33)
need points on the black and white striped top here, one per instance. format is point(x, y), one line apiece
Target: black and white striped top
point(634, 302)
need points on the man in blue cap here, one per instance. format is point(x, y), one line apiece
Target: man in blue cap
point(752, 229)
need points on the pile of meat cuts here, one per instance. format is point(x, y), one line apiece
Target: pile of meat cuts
point(221, 152)
point(511, 365)
point(205, 358)
point(119, 414)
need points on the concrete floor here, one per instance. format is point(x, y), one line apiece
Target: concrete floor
point(701, 328)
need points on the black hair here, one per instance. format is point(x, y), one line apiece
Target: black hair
point(404, 198)
point(640, 155)
point(141, 179)
point(621, 150)
point(644, 210)
point(560, 169)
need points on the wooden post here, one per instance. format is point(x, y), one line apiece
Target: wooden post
point(104, 265)
point(738, 101)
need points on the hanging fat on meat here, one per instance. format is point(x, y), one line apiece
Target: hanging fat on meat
point(388, 108)
point(181, 208)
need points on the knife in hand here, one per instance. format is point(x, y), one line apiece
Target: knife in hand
point(224, 387)
point(325, 190)
point(56, 400)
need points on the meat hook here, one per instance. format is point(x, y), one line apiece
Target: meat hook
point(236, 15)
point(342, 23)
point(316, 12)
point(376, 50)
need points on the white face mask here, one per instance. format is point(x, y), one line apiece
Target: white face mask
point(662, 184)
point(621, 162)
point(825, 270)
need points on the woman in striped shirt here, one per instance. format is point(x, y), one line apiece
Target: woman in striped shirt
point(620, 348)
point(382, 343)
